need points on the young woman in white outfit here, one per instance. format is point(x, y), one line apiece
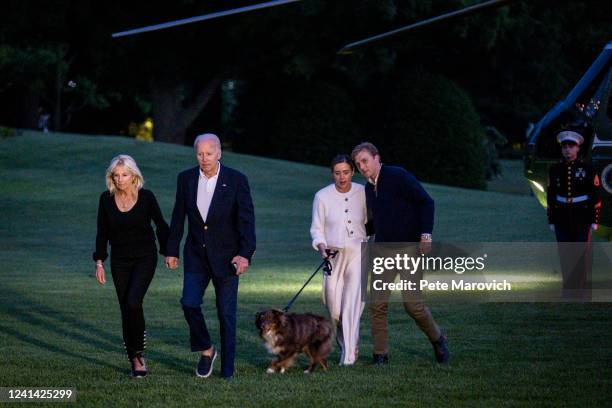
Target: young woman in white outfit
point(338, 223)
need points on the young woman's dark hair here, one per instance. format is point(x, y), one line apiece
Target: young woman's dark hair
point(342, 158)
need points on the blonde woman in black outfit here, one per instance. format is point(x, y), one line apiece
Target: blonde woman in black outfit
point(125, 213)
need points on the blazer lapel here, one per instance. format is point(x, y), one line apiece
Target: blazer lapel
point(193, 192)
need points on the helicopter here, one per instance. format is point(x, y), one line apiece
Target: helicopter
point(587, 106)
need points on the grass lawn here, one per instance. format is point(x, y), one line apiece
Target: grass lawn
point(511, 179)
point(59, 328)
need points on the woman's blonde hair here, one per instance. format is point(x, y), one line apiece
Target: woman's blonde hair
point(129, 163)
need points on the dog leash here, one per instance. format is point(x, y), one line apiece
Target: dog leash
point(327, 268)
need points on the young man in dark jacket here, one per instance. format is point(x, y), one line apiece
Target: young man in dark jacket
point(399, 210)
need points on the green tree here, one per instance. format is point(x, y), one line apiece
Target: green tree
point(37, 63)
point(307, 121)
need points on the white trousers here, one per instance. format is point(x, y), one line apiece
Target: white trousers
point(342, 296)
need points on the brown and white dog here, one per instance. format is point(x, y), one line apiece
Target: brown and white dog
point(286, 335)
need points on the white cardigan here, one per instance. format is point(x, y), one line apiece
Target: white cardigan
point(337, 216)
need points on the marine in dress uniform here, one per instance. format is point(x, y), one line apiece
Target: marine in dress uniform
point(573, 209)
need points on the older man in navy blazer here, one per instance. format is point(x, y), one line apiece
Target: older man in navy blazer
point(220, 243)
point(399, 210)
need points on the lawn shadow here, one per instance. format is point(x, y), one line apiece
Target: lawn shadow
point(56, 349)
point(55, 321)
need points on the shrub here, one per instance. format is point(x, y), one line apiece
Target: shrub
point(430, 127)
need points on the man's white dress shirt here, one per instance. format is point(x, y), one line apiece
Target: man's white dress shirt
point(206, 189)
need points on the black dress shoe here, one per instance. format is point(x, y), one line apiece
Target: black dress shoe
point(205, 365)
point(380, 359)
point(143, 371)
point(441, 350)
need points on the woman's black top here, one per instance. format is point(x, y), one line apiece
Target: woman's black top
point(130, 233)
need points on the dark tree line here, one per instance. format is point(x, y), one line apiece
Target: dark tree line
point(271, 83)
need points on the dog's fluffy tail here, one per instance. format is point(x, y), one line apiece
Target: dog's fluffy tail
point(325, 332)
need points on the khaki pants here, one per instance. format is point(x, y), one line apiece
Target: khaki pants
point(417, 310)
point(414, 306)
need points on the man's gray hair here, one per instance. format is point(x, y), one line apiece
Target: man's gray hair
point(207, 136)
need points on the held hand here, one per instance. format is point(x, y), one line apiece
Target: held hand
point(171, 262)
point(323, 251)
point(594, 227)
point(552, 227)
point(241, 264)
point(425, 247)
point(100, 275)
